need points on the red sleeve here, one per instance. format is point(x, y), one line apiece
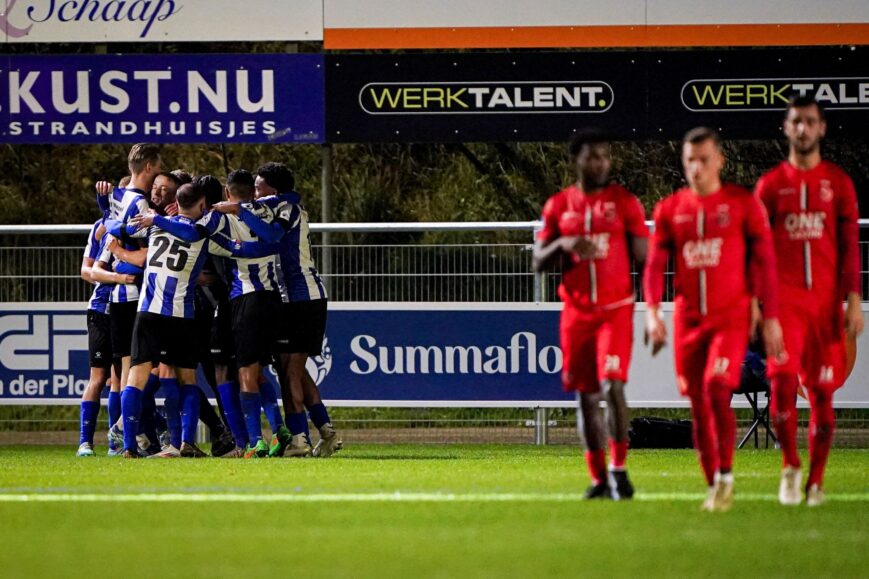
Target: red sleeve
point(549, 232)
point(635, 217)
point(762, 272)
point(659, 255)
point(849, 237)
point(764, 192)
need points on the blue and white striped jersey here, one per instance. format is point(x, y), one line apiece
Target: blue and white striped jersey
point(249, 274)
point(121, 293)
point(99, 301)
point(171, 270)
point(124, 204)
point(300, 280)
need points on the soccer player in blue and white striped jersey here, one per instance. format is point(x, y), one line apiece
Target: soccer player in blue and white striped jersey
point(144, 163)
point(303, 313)
point(99, 349)
point(164, 328)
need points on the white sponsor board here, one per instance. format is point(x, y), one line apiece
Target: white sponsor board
point(161, 20)
point(486, 13)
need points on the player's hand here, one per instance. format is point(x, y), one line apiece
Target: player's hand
point(227, 207)
point(756, 320)
point(171, 209)
point(143, 220)
point(112, 245)
point(583, 247)
point(125, 278)
point(656, 331)
point(853, 317)
point(773, 340)
point(104, 187)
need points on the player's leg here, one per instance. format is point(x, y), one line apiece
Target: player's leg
point(100, 354)
point(825, 369)
point(222, 352)
point(280, 434)
point(149, 442)
point(144, 352)
point(784, 383)
point(614, 339)
point(309, 340)
point(721, 377)
point(690, 349)
point(577, 330)
point(122, 318)
point(297, 419)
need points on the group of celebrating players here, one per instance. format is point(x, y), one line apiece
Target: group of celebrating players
point(191, 273)
point(775, 265)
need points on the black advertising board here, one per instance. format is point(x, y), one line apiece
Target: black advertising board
point(481, 96)
point(545, 96)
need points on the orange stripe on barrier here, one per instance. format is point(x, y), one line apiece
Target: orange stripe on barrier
point(597, 36)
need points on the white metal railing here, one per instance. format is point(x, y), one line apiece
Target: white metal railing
point(482, 270)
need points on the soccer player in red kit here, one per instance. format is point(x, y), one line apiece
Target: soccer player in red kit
point(812, 207)
point(594, 227)
point(720, 238)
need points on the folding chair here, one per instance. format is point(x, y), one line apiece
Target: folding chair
point(753, 382)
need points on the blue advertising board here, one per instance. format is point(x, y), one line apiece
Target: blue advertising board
point(164, 98)
point(375, 354)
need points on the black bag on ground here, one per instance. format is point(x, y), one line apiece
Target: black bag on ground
point(652, 432)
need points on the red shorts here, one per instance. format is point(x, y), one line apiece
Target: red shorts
point(708, 350)
point(596, 345)
point(814, 346)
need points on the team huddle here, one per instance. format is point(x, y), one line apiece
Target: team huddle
point(198, 274)
point(775, 265)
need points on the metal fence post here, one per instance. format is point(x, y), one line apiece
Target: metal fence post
point(541, 426)
point(326, 217)
point(538, 275)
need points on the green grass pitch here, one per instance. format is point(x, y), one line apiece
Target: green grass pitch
point(418, 511)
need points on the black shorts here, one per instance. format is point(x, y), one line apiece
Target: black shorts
point(122, 317)
point(254, 326)
point(221, 341)
point(302, 327)
point(164, 339)
point(99, 339)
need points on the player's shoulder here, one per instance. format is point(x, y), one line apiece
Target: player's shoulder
point(734, 190)
point(834, 171)
point(619, 191)
point(558, 199)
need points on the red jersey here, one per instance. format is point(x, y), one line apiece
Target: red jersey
point(814, 223)
point(715, 238)
point(606, 218)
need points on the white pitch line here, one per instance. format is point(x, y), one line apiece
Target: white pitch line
point(373, 497)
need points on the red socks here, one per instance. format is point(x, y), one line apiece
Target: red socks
point(784, 416)
point(820, 434)
point(596, 461)
point(704, 434)
point(725, 424)
point(618, 453)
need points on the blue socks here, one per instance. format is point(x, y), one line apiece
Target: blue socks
point(297, 422)
point(114, 408)
point(319, 414)
point(228, 393)
point(251, 402)
point(189, 412)
point(131, 408)
point(88, 421)
point(149, 409)
point(270, 406)
point(172, 407)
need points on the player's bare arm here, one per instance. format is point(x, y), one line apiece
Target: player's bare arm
point(656, 330)
point(853, 316)
point(136, 257)
point(87, 264)
point(102, 274)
